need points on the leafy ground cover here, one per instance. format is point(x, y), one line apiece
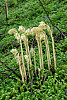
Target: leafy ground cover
point(29, 13)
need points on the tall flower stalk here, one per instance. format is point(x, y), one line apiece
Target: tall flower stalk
point(16, 55)
point(40, 35)
point(22, 59)
point(33, 54)
point(45, 26)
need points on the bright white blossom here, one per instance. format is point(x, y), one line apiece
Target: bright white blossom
point(23, 37)
point(42, 22)
point(33, 30)
point(42, 25)
point(12, 31)
point(39, 69)
point(17, 36)
point(21, 29)
point(37, 30)
point(48, 28)
point(17, 57)
point(14, 51)
point(27, 58)
point(42, 36)
point(32, 51)
point(28, 31)
point(16, 54)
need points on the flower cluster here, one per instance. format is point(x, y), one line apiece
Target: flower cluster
point(12, 31)
point(23, 37)
point(16, 54)
point(17, 36)
point(42, 25)
point(21, 29)
point(40, 35)
point(27, 58)
point(28, 31)
point(14, 51)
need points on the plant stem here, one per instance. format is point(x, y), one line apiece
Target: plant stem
point(22, 59)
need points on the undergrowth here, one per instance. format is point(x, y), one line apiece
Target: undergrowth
point(29, 13)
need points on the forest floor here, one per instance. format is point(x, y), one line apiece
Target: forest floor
point(29, 13)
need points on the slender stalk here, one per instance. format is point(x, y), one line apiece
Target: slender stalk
point(41, 54)
point(21, 72)
point(47, 50)
point(30, 62)
point(52, 45)
point(26, 46)
point(29, 58)
point(54, 52)
point(33, 54)
point(23, 66)
point(34, 61)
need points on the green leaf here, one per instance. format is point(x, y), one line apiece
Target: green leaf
point(15, 1)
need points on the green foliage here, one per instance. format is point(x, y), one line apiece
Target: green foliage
point(54, 87)
point(29, 13)
point(15, 1)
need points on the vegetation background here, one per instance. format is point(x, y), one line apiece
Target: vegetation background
point(29, 13)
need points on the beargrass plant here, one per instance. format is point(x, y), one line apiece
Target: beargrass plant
point(40, 35)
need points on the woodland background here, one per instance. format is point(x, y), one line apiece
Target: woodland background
point(29, 13)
